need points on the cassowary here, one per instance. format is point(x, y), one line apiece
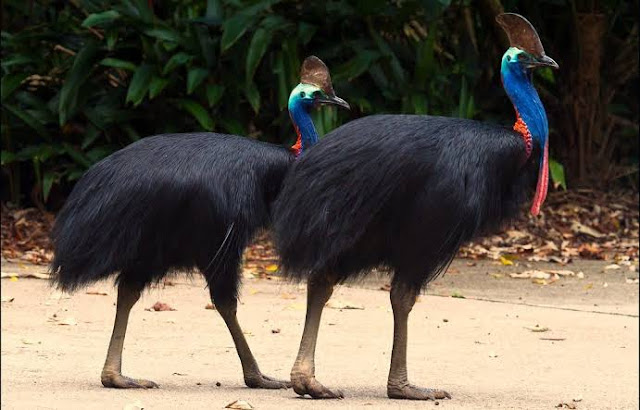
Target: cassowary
point(404, 192)
point(176, 202)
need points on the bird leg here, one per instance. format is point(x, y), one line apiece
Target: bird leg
point(111, 376)
point(398, 387)
point(319, 291)
point(252, 376)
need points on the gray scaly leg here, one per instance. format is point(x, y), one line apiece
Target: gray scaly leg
point(303, 373)
point(398, 386)
point(252, 376)
point(111, 375)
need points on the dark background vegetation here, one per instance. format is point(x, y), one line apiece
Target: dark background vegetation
point(82, 78)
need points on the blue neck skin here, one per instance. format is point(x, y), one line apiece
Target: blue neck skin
point(516, 79)
point(299, 109)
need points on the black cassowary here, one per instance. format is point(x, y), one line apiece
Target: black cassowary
point(405, 191)
point(175, 202)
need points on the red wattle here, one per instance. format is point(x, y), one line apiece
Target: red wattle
point(297, 147)
point(543, 182)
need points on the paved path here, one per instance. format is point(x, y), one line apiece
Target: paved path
point(479, 350)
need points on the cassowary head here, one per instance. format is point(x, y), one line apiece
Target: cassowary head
point(526, 50)
point(315, 87)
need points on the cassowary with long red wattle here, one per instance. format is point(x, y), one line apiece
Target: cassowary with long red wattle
point(405, 191)
point(175, 202)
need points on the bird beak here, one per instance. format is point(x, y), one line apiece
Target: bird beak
point(544, 61)
point(334, 100)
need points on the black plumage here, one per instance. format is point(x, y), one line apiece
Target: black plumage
point(166, 203)
point(398, 190)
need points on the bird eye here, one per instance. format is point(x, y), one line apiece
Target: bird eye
point(316, 94)
point(302, 94)
point(508, 58)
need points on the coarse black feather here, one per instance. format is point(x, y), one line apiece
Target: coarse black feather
point(165, 203)
point(398, 190)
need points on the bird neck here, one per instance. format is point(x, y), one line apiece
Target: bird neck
point(531, 118)
point(305, 130)
point(531, 121)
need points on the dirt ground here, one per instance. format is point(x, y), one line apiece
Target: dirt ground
point(480, 348)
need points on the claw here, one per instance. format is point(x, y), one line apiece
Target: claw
point(315, 389)
point(411, 392)
point(119, 381)
point(261, 381)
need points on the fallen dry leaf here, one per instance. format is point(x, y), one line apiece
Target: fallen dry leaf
point(561, 272)
point(68, 321)
point(26, 275)
point(210, 306)
point(553, 339)
point(505, 261)
point(338, 304)
point(239, 404)
point(577, 227)
point(160, 307)
point(493, 354)
point(97, 292)
point(628, 280)
point(566, 406)
point(7, 299)
point(271, 268)
point(287, 296)
point(275, 330)
point(613, 266)
point(537, 328)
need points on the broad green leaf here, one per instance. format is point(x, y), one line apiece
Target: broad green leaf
point(198, 112)
point(78, 74)
point(214, 93)
point(357, 65)
point(97, 153)
point(90, 136)
point(112, 37)
point(139, 84)
point(77, 156)
point(27, 119)
point(233, 29)
point(253, 96)
point(137, 9)
point(195, 77)
point(175, 61)
point(47, 182)
point(10, 82)
point(557, 174)
point(100, 18)
point(257, 48)
point(165, 34)
point(19, 59)
point(117, 63)
point(157, 85)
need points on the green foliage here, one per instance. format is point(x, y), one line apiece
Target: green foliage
point(83, 78)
